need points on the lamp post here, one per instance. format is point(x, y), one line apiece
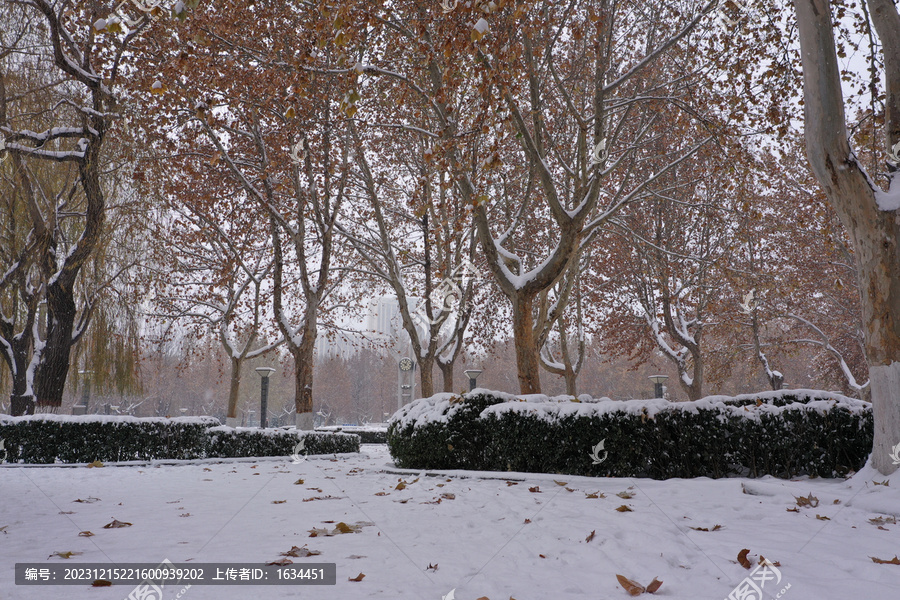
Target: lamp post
point(264, 372)
point(86, 389)
point(658, 381)
point(473, 374)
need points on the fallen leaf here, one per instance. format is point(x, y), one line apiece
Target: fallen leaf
point(542, 556)
point(883, 521)
point(742, 558)
point(595, 495)
point(893, 561)
point(509, 483)
point(624, 508)
point(343, 528)
point(300, 552)
point(207, 469)
point(299, 482)
point(794, 509)
point(527, 521)
point(280, 563)
point(560, 483)
point(536, 489)
point(431, 567)
point(448, 496)
point(115, 524)
point(836, 501)
point(625, 495)
point(278, 501)
point(886, 482)
point(762, 561)
point(590, 536)
point(101, 583)
point(568, 489)
point(185, 515)
point(357, 578)
point(633, 588)
point(95, 465)
point(88, 500)
point(85, 534)
point(67, 512)
point(381, 493)
point(810, 501)
point(822, 518)
point(400, 486)
point(321, 498)
point(715, 528)
point(654, 585)
point(68, 554)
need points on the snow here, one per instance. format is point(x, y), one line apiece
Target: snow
point(439, 407)
point(490, 539)
point(890, 200)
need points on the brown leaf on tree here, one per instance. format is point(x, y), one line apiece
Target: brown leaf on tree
point(357, 578)
point(624, 508)
point(893, 561)
point(654, 585)
point(632, 587)
point(590, 536)
point(742, 558)
point(115, 524)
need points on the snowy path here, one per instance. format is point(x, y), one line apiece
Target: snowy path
point(488, 538)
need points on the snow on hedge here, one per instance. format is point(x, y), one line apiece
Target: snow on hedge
point(440, 407)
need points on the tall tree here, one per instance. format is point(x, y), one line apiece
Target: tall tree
point(870, 213)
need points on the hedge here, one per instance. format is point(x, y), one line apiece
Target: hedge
point(50, 438)
point(789, 433)
point(368, 434)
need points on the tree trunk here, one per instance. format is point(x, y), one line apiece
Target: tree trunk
point(235, 388)
point(304, 362)
point(50, 376)
point(527, 361)
point(874, 232)
point(426, 376)
point(447, 373)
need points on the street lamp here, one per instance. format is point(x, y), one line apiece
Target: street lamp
point(86, 389)
point(264, 372)
point(473, 374)
point(658, 381)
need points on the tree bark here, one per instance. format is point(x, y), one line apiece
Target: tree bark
point(527, 361)
point(875, 233)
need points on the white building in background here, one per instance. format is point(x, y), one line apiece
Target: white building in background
point(382, 331)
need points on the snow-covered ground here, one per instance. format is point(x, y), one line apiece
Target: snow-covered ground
point(493, 535)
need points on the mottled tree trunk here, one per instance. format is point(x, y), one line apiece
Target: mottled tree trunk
point(527, 361)
point(875, 232)
point(234, 388)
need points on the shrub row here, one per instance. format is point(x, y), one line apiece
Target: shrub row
point(48, 439)
point(367, 433)
point(782, 433)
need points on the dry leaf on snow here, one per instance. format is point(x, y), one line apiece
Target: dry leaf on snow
point(68, 554)
point(357, 578)
point(590, 536)
point(624, 508)
point(101, 583)
point(280, 563)
point(742, 558)
point(115, 524)
point(300, 552)
point(85, 534)
point(632, 587)
point(880, 561)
